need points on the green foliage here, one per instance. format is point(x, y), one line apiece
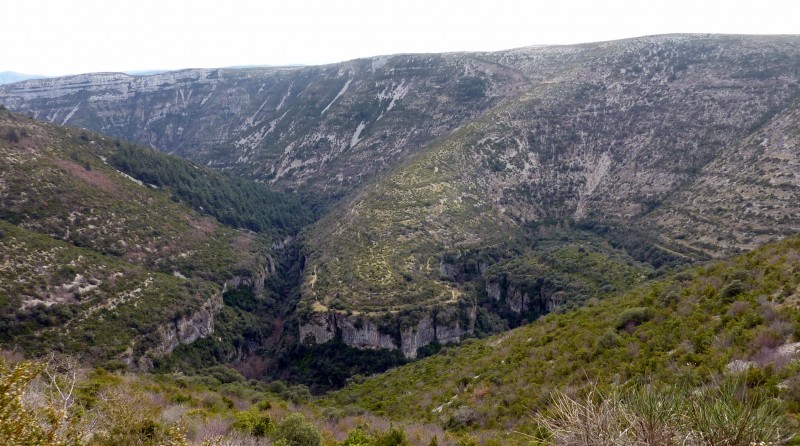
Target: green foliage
point(254, 422)
point(610, 339)
point(39, 329)
point(726, 414)
point(120, 415)
point(115, 261)
point(632, 317)
point(732, 290)
point(328, 366)
point(297, 431)
point(232, 200)
point(21, 426)
point(690, 341)
point(357, 437)
point(392, 437)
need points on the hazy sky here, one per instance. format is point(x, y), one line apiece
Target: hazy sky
point(54, 37)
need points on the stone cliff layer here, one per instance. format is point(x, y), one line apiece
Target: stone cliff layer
point(443, 326)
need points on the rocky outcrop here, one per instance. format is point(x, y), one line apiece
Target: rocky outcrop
point(520, 300)
point(256, 281)
point(443, 326)
point(185, 330)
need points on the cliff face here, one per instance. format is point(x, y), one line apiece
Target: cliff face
point(519, 300)
point(440, 325)
point(187, 329)
point(327, 128)
point(190, 328)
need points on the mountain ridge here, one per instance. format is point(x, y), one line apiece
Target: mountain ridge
point(424, 158)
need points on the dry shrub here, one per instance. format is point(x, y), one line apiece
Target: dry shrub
point(727, 414)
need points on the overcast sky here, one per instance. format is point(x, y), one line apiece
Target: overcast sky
point(55, 37)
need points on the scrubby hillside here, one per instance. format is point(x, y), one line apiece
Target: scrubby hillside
point(688, 139)
point(97, 261)
point(323, 129)
point(733, 317)
point(465, 193)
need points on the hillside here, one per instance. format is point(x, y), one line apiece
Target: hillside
point(587, 221)
point(95, 261)
point(678, 137)
point(323, 129)
point(437, 168)
point(443, 175)
point(737, 316)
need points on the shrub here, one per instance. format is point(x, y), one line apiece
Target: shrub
point(731, 414)
point(727, 414)
point(357, 437)
point(610, 339)
point(12, 136)
point(732, 290)
point(632, 317)
point(392, 437)
point(254, 422)
point(296, 431)
point(20, 425)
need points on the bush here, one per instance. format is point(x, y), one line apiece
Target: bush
point(254, 422)
point(728, 414)
point(632, 317)
point(610, 339)
point(20, 425)
point(732, 290)
point(12, 136)
point(296, 431)
point(392, 437)
point(357, 437)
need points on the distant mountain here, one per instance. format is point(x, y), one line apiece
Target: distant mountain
point(8, 77)
point(145, 72)
point(324, 129)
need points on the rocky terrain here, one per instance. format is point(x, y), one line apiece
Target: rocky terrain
point(643, 134)
point(327, 128)
point(439, 170)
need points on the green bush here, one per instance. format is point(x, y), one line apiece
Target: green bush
point(610, 339)
point(632, 317)
point(392, 437)
point(357, 437)
point(254, 422)
point(732, 290)
point(296, 431)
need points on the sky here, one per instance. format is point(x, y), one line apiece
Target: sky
point(58, 37)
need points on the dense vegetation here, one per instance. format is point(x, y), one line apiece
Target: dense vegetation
point(692, 327)
point(96, 321)
point(96, 263)
point(233, 201)
point(59, 402)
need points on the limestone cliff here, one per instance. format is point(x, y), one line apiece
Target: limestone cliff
point(437, 325)
point(189, 328)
